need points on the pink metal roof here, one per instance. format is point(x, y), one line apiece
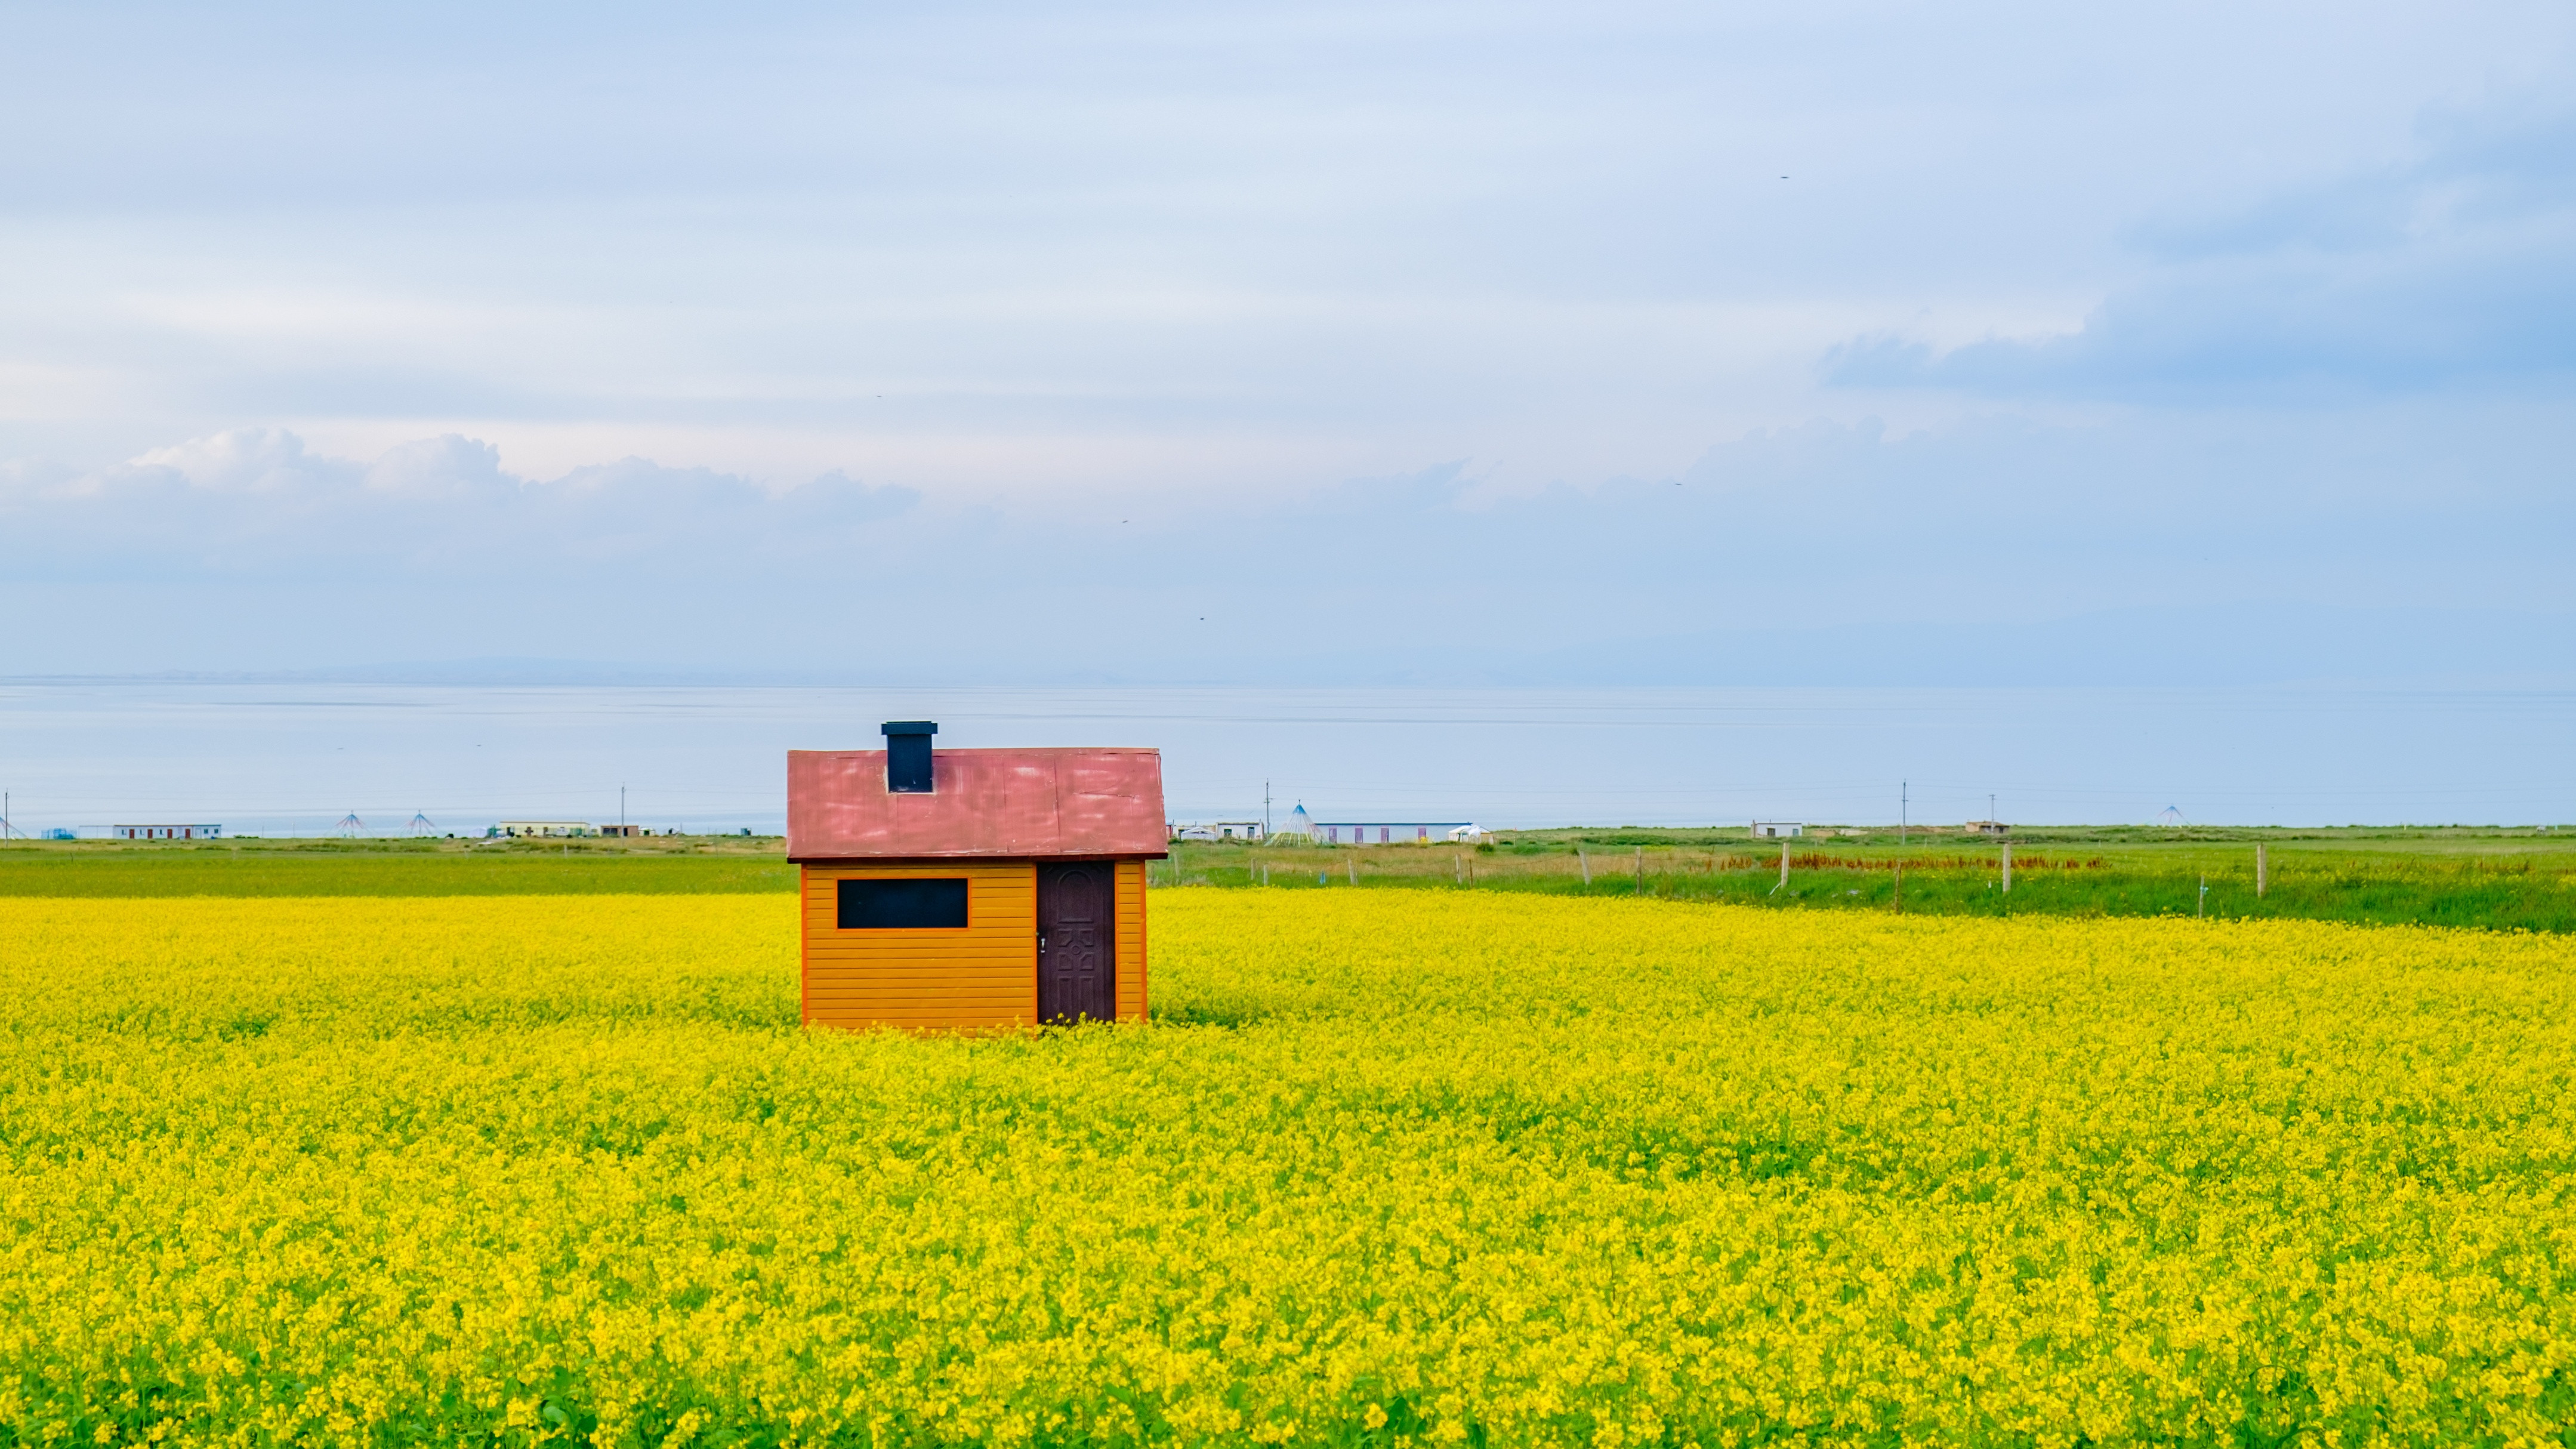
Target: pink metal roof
point(982, 802)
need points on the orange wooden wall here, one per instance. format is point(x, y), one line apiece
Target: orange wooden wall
point(1129, 886)
point(983, 976)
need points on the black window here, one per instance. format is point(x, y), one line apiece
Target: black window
point(903, 905)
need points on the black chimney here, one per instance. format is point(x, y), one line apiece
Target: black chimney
point(908, 756)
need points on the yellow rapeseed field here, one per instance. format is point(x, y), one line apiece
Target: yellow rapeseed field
point(1394, 1167)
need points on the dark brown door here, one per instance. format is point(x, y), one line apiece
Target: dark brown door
point(1077, 960)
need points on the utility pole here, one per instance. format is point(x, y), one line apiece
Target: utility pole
point(621, 810)
point(1265, 810)
point(1903, 787)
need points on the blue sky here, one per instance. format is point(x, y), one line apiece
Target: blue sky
point(1862, 343)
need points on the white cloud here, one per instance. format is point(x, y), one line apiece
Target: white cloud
point(248, 460)
point(447, 466)
point(2455, 269)
point(252, 502)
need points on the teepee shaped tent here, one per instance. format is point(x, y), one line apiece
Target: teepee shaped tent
point(2170, 816)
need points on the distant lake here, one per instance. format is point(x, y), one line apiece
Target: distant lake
point(294, 759)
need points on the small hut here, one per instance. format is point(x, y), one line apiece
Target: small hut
point(972, 888)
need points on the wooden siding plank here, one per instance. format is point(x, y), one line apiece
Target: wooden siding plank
point(926, 1024)
point(944, 967)
point(919, 1001)
point(924, 950)
point(962, 980)
point(918, 1004)
point(930, 979)
point(925, 999)
point(930, 1008)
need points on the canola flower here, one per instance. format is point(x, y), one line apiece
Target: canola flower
point(1393, 1168)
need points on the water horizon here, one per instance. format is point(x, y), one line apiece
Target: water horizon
point(284, 757)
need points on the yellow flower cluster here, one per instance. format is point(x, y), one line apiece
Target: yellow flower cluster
point(1394, 1168)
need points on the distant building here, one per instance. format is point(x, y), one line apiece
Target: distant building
point(627, 831)
point(1392, 832)
point(1194, 832)
point(1987, 827)
point(520, 829)
point(1237, 829)
point(1777, 829)
point(60, 833)
point(164, 832)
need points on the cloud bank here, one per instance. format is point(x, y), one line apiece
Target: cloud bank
point(2006, 553)
point(260, 504)
point(2455, 270)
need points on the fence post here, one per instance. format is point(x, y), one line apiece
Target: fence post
point(1354, 864)
point(1641, 870)
point(2007, 867)
point(2260, 873)
point(1585, 858)
point(1784, 864)
point(1458, 864)
point(1900, 888)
